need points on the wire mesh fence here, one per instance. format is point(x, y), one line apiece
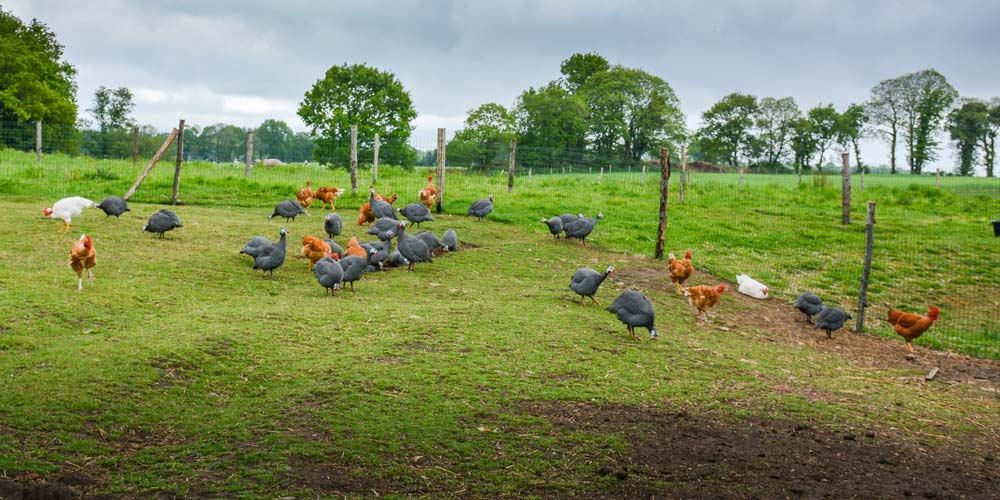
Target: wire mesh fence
point(934, 244)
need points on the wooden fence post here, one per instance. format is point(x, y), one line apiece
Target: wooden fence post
point(248, 159)
point(152, 163)
point(440, 169)
point(180, 159)
point(375, 160)
point(511, 157)
point(38, 140)
point(937, 176)
point(845, 192)
point(866, 272)
point(741, 175)
point(664, 191)
point(683, 171)
point(135, 145)
point(354, 158)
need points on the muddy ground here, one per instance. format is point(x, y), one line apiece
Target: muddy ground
point(673, 454)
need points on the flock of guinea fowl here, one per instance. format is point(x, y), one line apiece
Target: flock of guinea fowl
point(333, 266)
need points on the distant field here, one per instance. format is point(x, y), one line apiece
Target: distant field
point(933, 246)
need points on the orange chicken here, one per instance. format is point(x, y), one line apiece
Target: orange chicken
point(428, 195)
point(305, 195)
point(326, 195)
point(83, 256)
point(365, 214)
point(354, 248)
point(704, 297)
point(314, 249)
point(910, 325)
point(680, 270)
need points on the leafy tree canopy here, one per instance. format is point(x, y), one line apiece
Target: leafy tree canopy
point(579, 67)
point(725, 133)
point(35, 83)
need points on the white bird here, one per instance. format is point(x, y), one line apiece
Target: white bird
point(66, 208)
point(751, 287)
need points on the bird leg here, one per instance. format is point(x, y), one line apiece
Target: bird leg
point(90, 275)
point(908, 346)
point(829, 334)
point(65, 227)
point(79, 284)
point(595, 300)
point(680, 289)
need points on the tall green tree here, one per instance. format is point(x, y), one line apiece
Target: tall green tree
point(885, 107)
point(552, 125)
point(803, 144)
point(852, 128)
point(825, 125)
point(35, 82)
point(486, 135)
point(773, 120)
point(271, 137)
point(111, 111)
point(632, 113)
point(988, 139)
point(372, 99)
point(967, 125)
point(579, 68)
point(927, 97)
point(727, 127)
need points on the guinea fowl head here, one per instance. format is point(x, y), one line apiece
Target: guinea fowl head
point(600, 215)
point(284, 231)
point(609, 270)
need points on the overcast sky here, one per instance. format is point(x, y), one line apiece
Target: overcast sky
point(241, 62)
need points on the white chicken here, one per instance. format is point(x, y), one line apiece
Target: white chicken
point(751, 287)
point(66, 208)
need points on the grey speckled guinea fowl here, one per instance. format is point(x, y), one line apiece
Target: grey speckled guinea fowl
point(354, 268)
point(568, 219)
point(113, 205)
point(416, 213)
point(809, 304)
point(161, 222)
point(830, 319)
point(555, 226)
point(432, 242)
point(634, 309)
point(396, 259)
point(450, 240)
point(329, 274)
point(380, 208)
point(334, 247)
point(582, 228)
point(289, 209)
point(481, 208)
point(412, 247)
point(255, 245)
point(586, 282)
point(272, 256)
point(384, 228)
point(333, 225)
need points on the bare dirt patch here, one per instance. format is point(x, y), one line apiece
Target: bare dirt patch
point(679, 455)
point(772, 320)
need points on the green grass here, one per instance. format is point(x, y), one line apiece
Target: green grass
point(229, 381)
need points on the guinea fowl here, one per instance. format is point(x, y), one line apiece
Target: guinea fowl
point(568, 219)
point(161, 222)
point(289, 209)
point(555, 226)
point(378, 252)
point(334, 247)
point(255, 245)
point(379, 207)
point(332, 224)
point(450, 240)
point(432, 242)
point(396, 259)
point(384, 228)
point(354, 268)
point(809, 304)
point(272, 256)
point(113, 205)
point(830, 319)
point(329, 274)
point(586, 281)
point(412, 248)
point(481, 208)
point(582, 227)
point(416, 213)
point(634, 309)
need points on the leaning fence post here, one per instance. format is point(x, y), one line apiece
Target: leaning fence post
point(180, 158)
point(845, 192)
point(866, 272)
point(354, 158)
point(248, 160)
point(664, 191)
point(510, 165)
point(38, 140)
point(375, 160)
point(440, 170)
point(149, 167)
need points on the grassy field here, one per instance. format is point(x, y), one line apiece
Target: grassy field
point(932, 246)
